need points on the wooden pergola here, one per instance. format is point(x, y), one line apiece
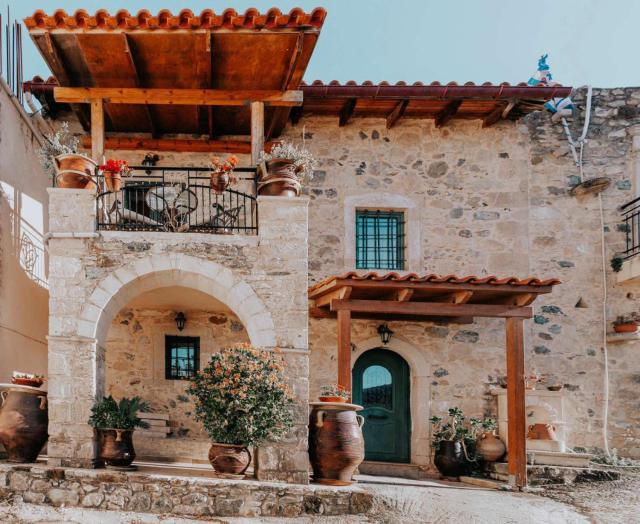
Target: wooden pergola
point(439, 298)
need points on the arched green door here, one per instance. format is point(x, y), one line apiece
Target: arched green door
point(381, 386)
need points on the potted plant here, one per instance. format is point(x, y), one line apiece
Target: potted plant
point(113, 171)
point(221, 174)
point(334, 393)
point(283, 170)
point(625, 324)
point(115, 422)
point(27, 379)
point(489, 446)
point(60, 159)
point(242, 400)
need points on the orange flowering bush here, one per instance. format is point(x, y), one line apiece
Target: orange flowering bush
point(218, 165)
point(241, 397)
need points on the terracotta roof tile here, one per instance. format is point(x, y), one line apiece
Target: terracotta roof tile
point(185, 19)
point(438, 279)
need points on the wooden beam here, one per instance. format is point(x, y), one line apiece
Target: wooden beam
point(447, 113)
point(136, 76)
point(516, 402)
point(341, 294)
point(316, 312)
point(431, 309)
point(170, 144)
point(494, 116)
point(404, 295)
point(191, 97)
point(397, 113)
point(97, 130)
point(510, 106)
point(347, 111)
point(461, 297)
point(257, 131)
point(344, 349)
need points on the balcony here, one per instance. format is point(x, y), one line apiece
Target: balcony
point(179, 199)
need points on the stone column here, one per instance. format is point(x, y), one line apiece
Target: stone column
point(75, 362)
point(283, 235)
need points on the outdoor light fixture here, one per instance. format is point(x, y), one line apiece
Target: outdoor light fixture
point(150, 160)
point(385, 334)
point(180, 321)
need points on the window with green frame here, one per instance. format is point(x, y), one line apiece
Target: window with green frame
point(379, 239)
point(181, 357)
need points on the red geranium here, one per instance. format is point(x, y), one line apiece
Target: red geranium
point(116, 166)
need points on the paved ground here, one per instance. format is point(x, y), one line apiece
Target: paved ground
point(414, 502)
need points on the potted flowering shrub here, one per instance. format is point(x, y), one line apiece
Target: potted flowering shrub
point(284, 169)
point(60, 159)
point(115, 422)
point(221, 174)
point(113, 171)
point(242, 400)
point(333, 393)
point(27, 379)
point(625, 324)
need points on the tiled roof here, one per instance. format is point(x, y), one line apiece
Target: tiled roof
point(185, 19)
point(403, 83)
point(438, 279)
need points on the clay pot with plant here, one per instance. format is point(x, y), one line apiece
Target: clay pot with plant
point(32, 380)
point(283, 170)
point(115, 422)
point(625, 324)
point(60, 160)
point(334, 393)
point(488, 446)
point(222, 173)
point(242, 399)
point(113, 171)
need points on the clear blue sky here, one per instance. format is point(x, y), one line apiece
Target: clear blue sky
point(588, 41)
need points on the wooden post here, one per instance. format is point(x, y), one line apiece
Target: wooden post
point(97, 130)
point(257, 131)
point(344, 348)
point(516, 402)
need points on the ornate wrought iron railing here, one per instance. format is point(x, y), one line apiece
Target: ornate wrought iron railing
point(631, 220)
point(179, 199)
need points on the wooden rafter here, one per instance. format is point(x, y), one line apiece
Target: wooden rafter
point(404, 295)
point(347, 111)
point(461, 297)
point(136, 76)
point(494, 116)
point(509, 108)
point(214, 97)
point(180, 145)
point(397, 113)
point(341, 294)
point(447, 113)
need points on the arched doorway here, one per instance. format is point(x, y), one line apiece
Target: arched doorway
point(381, 385)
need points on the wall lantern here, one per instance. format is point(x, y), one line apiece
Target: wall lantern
point(385, 334)
point(180, 321)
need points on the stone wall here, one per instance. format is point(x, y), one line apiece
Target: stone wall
point(135, 365)
point(491, 201)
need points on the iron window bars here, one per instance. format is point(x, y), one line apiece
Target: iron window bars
point(631, 218)
point(380, 239)
point(181, 357)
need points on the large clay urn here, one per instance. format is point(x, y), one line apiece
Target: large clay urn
point(336, 444)
point(229, 459)
point(490, 447)
point(75, 171)
point(279, 178)
point(116, 447)
point(23, 423)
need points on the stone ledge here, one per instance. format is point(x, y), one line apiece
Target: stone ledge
point(179, 238)
point(178, 495)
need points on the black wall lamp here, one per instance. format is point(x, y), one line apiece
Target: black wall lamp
point(385, 334)
point(181, 320)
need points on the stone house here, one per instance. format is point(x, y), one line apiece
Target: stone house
point(426, 179)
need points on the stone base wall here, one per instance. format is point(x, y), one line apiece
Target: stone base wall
point(178, 496)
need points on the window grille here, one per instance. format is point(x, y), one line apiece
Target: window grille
point(379, 239)
point(182, 357)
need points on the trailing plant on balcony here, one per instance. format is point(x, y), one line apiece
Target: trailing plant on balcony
point(616, 264)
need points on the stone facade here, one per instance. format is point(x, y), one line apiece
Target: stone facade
point(490, 201)
point(178, 496)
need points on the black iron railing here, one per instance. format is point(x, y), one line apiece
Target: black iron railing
point(179, 199)
point(631, 219)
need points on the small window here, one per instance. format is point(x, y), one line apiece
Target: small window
point(377, 387)
point(379, 239)
point(182, 357)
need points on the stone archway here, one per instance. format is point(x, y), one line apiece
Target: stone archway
point(420, 393)
point(116, 290)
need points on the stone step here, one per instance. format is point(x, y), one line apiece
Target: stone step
point(500, 484)
point(391, 469)
point(155, 422)
point(544, 474)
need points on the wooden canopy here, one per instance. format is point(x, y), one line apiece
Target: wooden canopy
point(221, 52)
point(434, 297)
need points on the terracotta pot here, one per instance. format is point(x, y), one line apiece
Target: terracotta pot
point(74, 171)
point(336, 444)
point(220, 181)
point(116, 447)
point(450, 459)
point(542, 432)
point(23, 424)
point(113, 181)
point(332, 399)
point(490, 447)
point(630, 327)
point(229, 458)
point(281, 179)
point(31, 382)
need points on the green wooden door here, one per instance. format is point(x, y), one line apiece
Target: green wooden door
point(381, 386)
